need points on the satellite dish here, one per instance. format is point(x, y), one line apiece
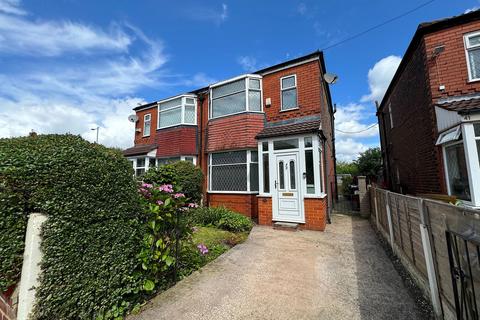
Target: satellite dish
point(132, 118)
point(330, 78)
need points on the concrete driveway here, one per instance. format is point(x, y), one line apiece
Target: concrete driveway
point(342, 273)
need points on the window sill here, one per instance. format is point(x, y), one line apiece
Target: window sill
point(264, 195)
point(146, 136)
point(473, 80)
point(235, 114)
point(178, 125)
point(315, 196)
point(292, 109)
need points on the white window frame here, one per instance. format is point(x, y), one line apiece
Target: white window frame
point(249, 161)
point(182, 158)
point(468, 48)
point(288, 88)
point(246, 78)
point(145, 121)
point(473, 164)
point(182, 108)
point(390, 115)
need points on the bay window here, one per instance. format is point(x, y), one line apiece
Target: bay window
point(472, 50)
point(236, 96)
point(177, 111)
point(233, 171)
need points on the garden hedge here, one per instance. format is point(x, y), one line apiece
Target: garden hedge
point(93, 233)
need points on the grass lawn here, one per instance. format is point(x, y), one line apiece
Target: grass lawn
point(216, 240)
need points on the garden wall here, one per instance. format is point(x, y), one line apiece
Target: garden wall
point(433, 240)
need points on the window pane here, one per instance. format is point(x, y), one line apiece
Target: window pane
point(265, 146)
point(189, 159)
point(229, 178)
point(147, 117)
point(478, 150)
point(168, 160)
point(285, 144)
point(474, 60)
point(292, 175)
point(229, 157)
point(132, 162)
point(151, 162)
point(308, 142)
point(254, 101)
point(146, 128)
point(289, 99)
point(139, 172)
point(253, 176)
point(140, 162)
point(228, 88)
point(230, 104)
point(288, 82)
point(189, 101)
point(190, 114)
point(170, 104)
point(254, 156)
point(266, 173)
point(310, 177)
point(457, 172)
point(281, 175)
point(254, 83)
point(170, 117)
point(473, 41)
point(476, 128)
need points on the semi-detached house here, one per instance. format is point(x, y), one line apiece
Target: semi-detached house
point(263, 141)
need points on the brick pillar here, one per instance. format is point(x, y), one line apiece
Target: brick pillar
point(363, 197)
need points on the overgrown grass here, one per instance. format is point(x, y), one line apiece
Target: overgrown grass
point(216, 240)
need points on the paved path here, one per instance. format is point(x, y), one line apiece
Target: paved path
point(341, 273)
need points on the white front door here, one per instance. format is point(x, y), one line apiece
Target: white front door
point(287, 189)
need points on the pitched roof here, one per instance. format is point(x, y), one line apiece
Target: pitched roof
point(461, 105)
point(423, 29)
point(290, 129)
point(138, 150)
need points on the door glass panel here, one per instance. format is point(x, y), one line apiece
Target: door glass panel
point(292, 175)
point(281, 176)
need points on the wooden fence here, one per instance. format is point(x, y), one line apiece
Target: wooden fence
point(417, 230)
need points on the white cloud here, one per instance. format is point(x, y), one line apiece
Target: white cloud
point(22, 34)
point(472, 9)
point(302, 8)
point(11, 7)
point(379, 78)
point(349, 149)
point(248, 63)
point(349, 118)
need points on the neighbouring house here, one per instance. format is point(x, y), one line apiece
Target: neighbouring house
point(430, 116)
point(263, 141)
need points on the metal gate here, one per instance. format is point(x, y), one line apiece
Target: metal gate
point(464, 255)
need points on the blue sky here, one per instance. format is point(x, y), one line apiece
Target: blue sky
point(68, 66)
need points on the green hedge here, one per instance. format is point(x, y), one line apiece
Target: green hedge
point(222, 218)
point(182, 174)
point(93, 233)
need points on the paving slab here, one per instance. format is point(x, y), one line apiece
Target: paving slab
point(342, 273)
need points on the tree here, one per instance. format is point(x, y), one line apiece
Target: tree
point(344, 167)
point(369, 163)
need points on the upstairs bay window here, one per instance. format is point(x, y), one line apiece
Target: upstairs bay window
point(177, 111)
point(234, 171)
point(472, 47)
point(236, 96)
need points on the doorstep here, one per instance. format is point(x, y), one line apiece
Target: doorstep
point(286, 226)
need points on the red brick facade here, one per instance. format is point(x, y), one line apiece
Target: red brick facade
point(234, 132)
point(413, 164)
point(176, 141)
point(7, 307)
point(239, 131)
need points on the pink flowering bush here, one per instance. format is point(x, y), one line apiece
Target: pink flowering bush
point(164, 210)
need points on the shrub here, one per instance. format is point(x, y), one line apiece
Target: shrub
point(182, 174)
point(93, 233)
point(222, 218)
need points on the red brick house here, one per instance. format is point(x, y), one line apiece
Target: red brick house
point(430, 115)
point(263, 141)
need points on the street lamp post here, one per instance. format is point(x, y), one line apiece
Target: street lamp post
point(97, 133)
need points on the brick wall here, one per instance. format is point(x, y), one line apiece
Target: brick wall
point(139, 138)
point(245, 204)
point(265, 211)
point(7, 306)
point(410, 144)
point(450, 67)
point(308, 92)
point(234, 132)
point(315, 214)
point(175, 141)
